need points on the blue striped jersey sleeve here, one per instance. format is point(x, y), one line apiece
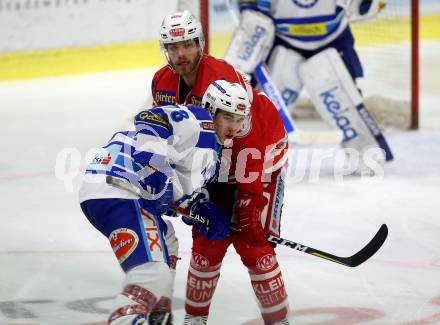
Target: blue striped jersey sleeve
point(263, 6)
point(153, 122)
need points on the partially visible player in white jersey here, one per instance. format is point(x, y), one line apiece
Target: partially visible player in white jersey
point(308, 43)
point(139, 175)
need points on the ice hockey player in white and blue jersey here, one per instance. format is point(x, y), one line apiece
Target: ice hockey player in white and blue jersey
point(308, 43)
point(139, 175)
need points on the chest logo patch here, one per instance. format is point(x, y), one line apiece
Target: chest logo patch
point(305, 4)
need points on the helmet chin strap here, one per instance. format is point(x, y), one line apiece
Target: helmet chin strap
point(167, 57)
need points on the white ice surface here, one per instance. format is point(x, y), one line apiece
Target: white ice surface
point(56, 269)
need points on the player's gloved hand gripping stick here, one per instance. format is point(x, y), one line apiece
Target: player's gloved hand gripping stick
point(352, 261)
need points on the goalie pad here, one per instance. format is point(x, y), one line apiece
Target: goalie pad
point(339, 102)
point(362, 10)
point(283, 67)
point(251, 41)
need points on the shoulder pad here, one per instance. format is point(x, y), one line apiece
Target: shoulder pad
point(199, 112)
point(152, 118)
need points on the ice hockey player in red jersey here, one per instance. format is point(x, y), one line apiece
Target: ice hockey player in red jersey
point(250, 189)
point(251, 180)
point(189, 72)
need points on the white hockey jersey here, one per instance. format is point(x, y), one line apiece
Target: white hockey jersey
point(178, 141)
point(305, 24)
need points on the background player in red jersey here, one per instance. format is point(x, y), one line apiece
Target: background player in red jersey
point(251, 180)
point(189, 72)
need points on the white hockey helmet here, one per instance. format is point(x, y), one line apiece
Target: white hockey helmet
point(227, 96)
point(181, 26)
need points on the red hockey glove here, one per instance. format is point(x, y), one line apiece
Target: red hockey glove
point(248, 212)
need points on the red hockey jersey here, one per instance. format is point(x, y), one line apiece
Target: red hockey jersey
point(165, 84)
point(260, 148)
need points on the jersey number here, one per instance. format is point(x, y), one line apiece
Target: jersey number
point(178, 116)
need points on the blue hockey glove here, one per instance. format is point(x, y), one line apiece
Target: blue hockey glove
point(160, 193)
point(218, 227)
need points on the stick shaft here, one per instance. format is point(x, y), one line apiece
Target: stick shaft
point(352, 261)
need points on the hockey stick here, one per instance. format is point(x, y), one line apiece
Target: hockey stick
point(266, 83)
point(375, 130)
point(352, 261)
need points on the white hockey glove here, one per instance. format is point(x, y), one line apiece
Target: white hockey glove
point(251, 42)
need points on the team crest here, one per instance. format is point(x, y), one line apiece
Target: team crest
point(123, 241)
point(266, 262)
point(200, 260)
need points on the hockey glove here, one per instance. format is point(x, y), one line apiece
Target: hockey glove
point(219, 223)
point(160, 193)
point(248, 213)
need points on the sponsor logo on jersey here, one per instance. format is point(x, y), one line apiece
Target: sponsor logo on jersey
point(150, 117)
point(123, 241)
point(165, 97)
point(152, 233)
point(244, 202)
point(200, 290)
point(200, 260)
point(175, 32)
point(266, 262)
point(318, 29)
point(103, 160)
point(209, 126)
point(196, 101)
point(271, 293)
point(334, 107)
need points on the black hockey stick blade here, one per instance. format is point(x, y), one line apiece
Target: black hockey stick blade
point(352, 261)
point(370, 249)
